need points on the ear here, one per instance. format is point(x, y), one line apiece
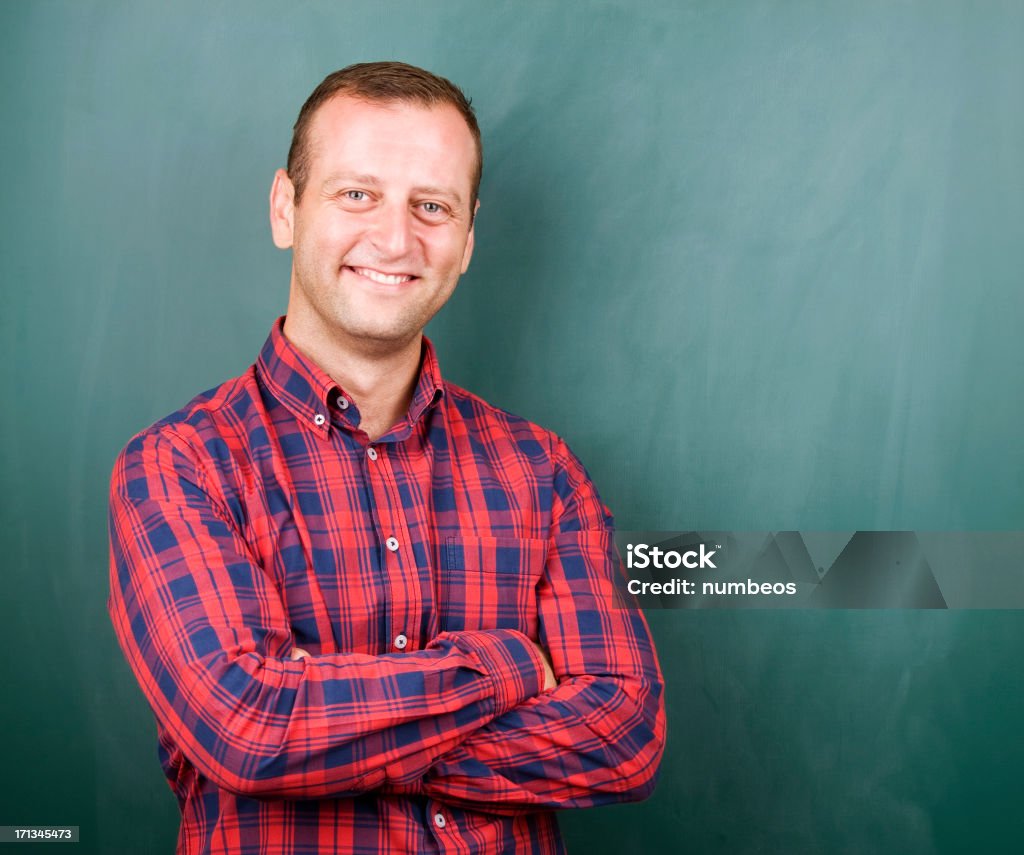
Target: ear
point(282, 210)
point(467, 254)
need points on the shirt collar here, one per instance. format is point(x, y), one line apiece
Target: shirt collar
point(313, 397)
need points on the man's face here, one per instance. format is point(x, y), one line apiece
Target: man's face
point(383, 229)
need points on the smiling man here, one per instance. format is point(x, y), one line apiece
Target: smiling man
point(370, 612)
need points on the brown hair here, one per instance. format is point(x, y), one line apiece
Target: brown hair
point(380, 82)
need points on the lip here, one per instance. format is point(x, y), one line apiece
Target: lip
point(385, 278)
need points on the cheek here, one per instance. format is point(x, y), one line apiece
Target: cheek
point(330, 236)
point(445, 252)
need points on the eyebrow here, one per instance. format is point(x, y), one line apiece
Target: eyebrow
point(355, 178)
point(374, 181)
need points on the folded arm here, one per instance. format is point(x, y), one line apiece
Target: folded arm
point(205, 631)
point(598, 737)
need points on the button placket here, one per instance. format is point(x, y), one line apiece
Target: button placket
point(400, 575)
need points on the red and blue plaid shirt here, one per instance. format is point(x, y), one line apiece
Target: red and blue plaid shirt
point(414, 569)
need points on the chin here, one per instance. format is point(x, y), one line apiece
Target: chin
point(383, 337)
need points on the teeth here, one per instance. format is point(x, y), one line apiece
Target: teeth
point(381, 278)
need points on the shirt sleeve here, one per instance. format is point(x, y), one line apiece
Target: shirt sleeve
point(207, 636)
point(598, 737)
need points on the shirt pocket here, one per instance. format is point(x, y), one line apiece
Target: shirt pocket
point(490, 583)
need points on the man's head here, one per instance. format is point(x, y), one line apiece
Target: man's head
point(377, 206)
point(380, 83)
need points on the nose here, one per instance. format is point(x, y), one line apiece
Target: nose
point(391, 233)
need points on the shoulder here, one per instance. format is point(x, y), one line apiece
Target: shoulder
point(208, 431)
point(520, 451)
point(489, 424)
point(506, 436)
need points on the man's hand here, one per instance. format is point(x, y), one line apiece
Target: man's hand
point(299, 653)
point(549, 675)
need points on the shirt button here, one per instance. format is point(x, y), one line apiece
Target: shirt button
point(392, 544)
point(371, 453)
point(342, 402)
point(439, 820)
point(401, 641)
point(319, 419)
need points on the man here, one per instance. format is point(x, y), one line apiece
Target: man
point(372, 613)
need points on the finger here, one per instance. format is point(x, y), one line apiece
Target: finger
point(299, 653)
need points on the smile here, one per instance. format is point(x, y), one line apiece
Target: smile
point(382, 278)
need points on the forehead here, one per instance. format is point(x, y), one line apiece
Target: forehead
point(393, 141)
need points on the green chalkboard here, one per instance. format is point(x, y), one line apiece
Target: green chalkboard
point(760, 262)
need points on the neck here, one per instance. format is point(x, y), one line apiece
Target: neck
point(380, 380)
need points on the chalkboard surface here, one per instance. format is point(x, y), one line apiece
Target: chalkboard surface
point(759, 262)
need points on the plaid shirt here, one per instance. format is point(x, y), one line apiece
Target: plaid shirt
point(414, 569)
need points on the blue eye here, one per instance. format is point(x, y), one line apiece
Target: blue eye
point(356, 195)
point(434, 210)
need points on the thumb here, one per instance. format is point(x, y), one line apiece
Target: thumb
point(299, 653)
